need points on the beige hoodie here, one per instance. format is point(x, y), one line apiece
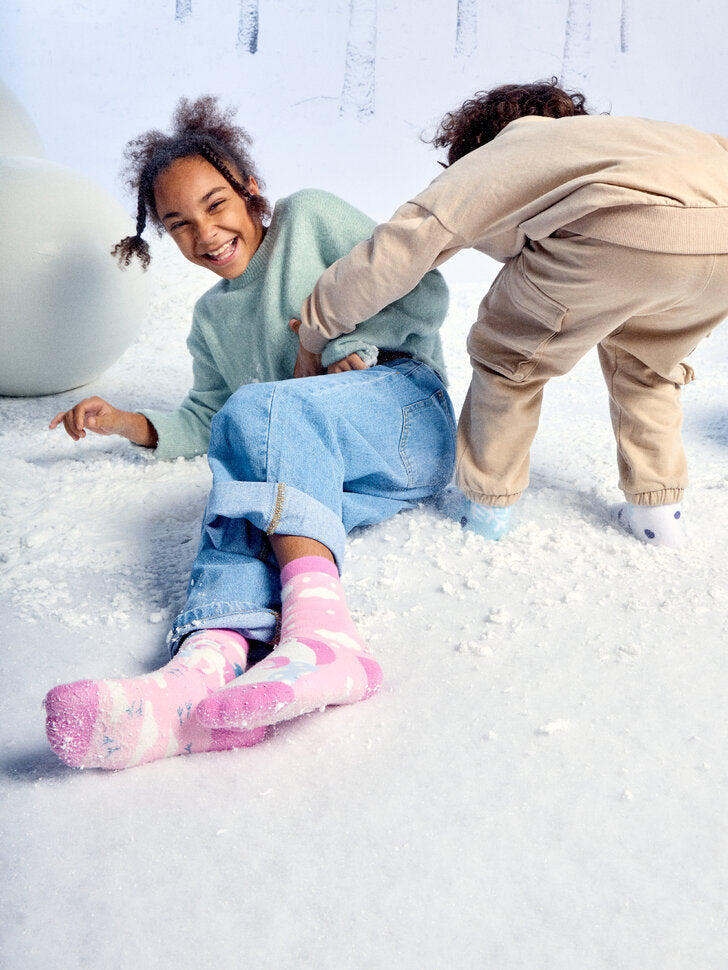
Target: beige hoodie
point(638, 183)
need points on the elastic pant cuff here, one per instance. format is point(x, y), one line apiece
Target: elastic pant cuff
point(663, 496)
point(497, 501)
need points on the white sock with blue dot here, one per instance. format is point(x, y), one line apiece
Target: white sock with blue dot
point(657, 525)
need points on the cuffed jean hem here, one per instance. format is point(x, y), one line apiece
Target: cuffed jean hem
point(277, 509)
point(252, 622)
point(662, 496)
point(313, 458)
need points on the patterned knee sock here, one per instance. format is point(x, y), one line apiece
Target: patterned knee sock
point(320, 659)
point(119, 723)
point(657, 525)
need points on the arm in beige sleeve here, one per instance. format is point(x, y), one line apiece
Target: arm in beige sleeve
point(374, 274)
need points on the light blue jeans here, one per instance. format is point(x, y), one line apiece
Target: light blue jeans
point(313, 457)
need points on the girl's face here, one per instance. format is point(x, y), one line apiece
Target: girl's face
point(206, 217)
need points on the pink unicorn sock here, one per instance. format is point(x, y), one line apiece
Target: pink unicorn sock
point(320, 659)
point(120, 723)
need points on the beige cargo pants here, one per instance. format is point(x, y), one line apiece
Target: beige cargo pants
point(547, 307)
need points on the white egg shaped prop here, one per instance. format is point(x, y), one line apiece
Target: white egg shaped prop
point(67, 311)
point(18, 134)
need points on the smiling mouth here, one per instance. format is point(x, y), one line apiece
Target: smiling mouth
point(224, 253)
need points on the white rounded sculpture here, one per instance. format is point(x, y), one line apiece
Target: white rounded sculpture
point(67, 310)
point(18, 134)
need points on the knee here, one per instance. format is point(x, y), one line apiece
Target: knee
point(249, 407)
point(239, 431)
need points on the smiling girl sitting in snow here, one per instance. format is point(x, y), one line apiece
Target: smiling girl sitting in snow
point(296, 464)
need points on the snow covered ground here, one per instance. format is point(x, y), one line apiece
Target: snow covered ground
point(541, 782)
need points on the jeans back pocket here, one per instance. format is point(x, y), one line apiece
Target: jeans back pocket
point(427, 442)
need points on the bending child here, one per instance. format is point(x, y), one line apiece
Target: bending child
point(296, 464)
point(613, 233)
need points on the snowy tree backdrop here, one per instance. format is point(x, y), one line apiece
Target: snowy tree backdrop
point(343, 86)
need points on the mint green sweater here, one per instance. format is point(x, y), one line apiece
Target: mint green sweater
point(240, 331)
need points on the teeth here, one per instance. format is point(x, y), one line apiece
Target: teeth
point(223, 251)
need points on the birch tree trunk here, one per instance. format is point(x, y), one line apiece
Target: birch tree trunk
point(182, 9)
point(577, 44)
point(466, 32)
point(624, 28)
point(358, 90)
point(248, 26)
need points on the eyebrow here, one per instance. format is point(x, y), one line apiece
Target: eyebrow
point(218, 188)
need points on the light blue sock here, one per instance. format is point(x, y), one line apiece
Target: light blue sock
point(488, 521)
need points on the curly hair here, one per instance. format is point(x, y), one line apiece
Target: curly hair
point(483, 116)
point(199, 127)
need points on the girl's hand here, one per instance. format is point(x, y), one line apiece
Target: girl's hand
point(352, 362)
point(307, 364)
point(97, 415)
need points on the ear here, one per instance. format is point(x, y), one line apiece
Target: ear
point(252, 186)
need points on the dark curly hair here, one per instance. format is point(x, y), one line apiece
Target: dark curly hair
point(199, 127)
point(484, 115)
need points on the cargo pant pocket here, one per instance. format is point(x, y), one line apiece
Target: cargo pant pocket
point(516, 323)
